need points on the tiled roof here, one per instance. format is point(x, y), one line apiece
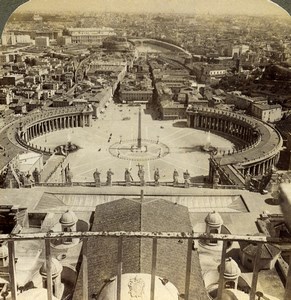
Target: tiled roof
point(133, 215)
point(268, 251)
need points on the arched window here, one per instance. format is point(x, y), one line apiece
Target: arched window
point(229, 285)
point(213, 230)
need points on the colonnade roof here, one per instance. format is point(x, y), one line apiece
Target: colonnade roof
point(7, 133)
point(270, 142)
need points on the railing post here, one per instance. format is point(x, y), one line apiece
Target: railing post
point(119, 267)
point(221, 271)
point(12, 273)
point(188, 268)
point(154, 264)
point(48, 261)
point(85, 269)
point(256, 272)
point(287, 295)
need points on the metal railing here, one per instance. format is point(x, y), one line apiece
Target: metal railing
point(155, 237)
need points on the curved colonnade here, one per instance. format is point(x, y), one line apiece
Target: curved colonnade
point(261, 143)
point(17, 136)
point(51, 120)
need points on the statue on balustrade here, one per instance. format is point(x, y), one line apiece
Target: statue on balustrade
point(69, 176)
point(175, 178)
point(36, 176)
point(157, 177)
point(216, 178)
point(109, 177)
point(248, 181)
point(96, 176)
point(186, 177)
point(28, 180)
point(127, 177)
point(141, 174)
point(21, 177)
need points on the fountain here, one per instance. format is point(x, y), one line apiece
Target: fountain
point(207, 147)
point(67, 148)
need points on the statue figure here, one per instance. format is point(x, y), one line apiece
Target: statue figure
point(141, 174)
point(127, 177)
point(28, 180)
point(175, 178)
point(248, 180)
point(157, 177)
point(36, 176)
point(69, 176)
point(186, 177)
point(109, 177)
point(21, 177)
point(96, 176)
point(216, 179)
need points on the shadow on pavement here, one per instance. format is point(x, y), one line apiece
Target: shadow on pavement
point(180, 124)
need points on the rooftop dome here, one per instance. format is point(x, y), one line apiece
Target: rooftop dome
point(56, 268)
point(68, 218)
point(232, 270)
point(138, 286)
point(3, 251)
point(35, 294)
point(231, 294)
point(214, 219)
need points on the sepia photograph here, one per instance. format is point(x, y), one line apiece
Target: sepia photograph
point(145, 150)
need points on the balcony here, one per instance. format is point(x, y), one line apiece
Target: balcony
point(155, 238)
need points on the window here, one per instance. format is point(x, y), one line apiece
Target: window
point(229, 285)
point(213, 231)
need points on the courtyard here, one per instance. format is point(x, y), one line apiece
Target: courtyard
point(111, 140)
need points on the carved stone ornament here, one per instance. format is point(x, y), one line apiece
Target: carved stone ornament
point(136, 288)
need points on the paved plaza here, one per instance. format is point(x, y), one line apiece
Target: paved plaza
point(110, 143)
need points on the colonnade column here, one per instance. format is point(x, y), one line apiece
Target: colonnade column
point(33, 130)
point(26, 136)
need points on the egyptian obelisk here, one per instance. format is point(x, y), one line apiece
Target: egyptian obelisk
point(139, 129)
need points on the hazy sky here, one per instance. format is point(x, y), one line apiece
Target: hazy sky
point(250, 7)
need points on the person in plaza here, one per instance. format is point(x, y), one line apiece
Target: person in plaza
point(175, 178)
point(141, 175)
point(96, 176)
point(186, 176)
point(160, 153)
point(157, 176)
point(127, 177)
point(109, 177)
